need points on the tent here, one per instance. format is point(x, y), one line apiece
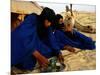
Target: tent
point(21, 8)
point(25, 7)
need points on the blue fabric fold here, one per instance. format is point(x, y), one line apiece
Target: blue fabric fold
point(80, 41)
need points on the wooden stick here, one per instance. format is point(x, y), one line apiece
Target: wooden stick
point(71, 10)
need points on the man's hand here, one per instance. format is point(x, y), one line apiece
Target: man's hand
point(60, 58)
point(41, 59)
point(69, 48)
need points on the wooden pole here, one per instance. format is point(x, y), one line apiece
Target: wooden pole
point(71, 10)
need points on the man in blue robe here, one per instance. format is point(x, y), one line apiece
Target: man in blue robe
point(71, 37)
point(78, 40)
point(27, 47)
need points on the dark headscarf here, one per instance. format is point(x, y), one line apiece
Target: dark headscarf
point(46, 14)
point(56, 25)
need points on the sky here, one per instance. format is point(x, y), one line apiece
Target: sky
point(60, 7)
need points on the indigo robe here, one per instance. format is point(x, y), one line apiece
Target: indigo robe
point(25, 40)
point(78, 40)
